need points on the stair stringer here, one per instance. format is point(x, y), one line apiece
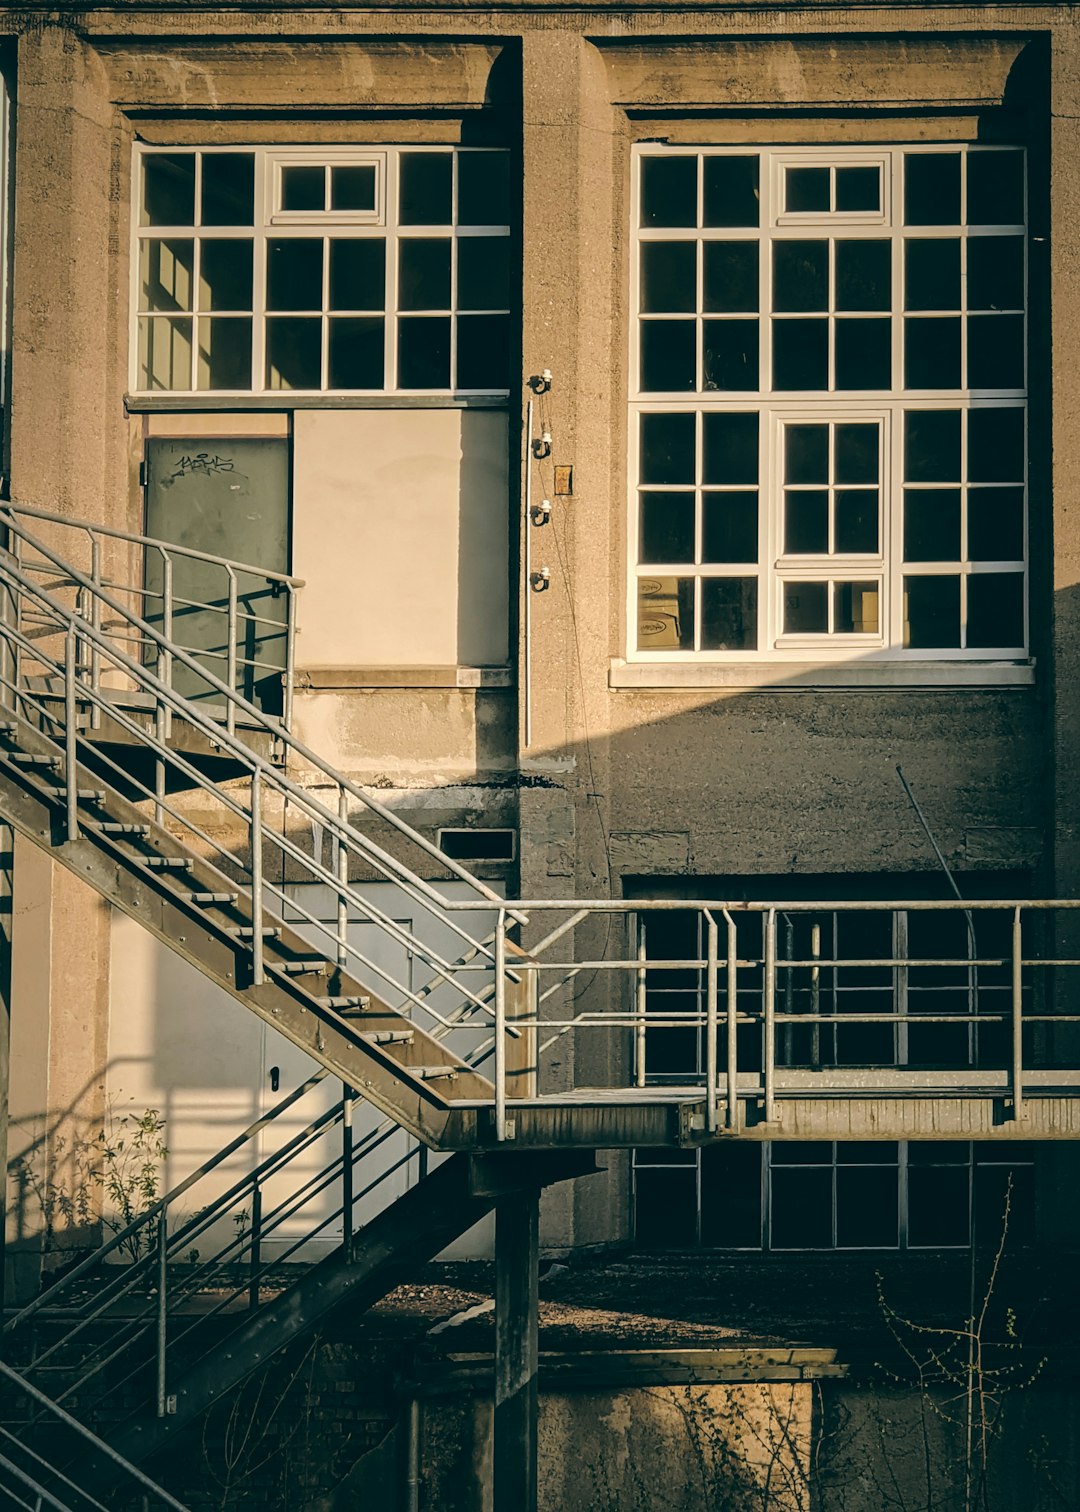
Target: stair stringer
point(200, 936)
point(410, 1232)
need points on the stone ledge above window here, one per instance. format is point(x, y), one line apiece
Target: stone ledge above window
point(800, 677)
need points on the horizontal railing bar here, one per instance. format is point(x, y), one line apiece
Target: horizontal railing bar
point(700, 905)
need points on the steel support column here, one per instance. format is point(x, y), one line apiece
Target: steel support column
point(517, 1248)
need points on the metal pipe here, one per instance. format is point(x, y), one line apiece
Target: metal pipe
point(162, 1308)
point(95, 620)
point(167, 627)
point(412, 1456)
point(343, 878)
point(712, 934)
point(1017, 1016)
point(290, 656)
point(258, 974)
point(230, 673)
point(500, 1027)
point(769, 1047)
point(526, 676)
point(815, 996)
point(71, 764)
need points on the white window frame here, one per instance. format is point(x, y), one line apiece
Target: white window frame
point(863, 652)
point(272, 224)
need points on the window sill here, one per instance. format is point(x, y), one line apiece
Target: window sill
point(339, 679)
point(808, 677)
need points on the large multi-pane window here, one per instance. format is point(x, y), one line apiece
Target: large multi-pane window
point(935, 1194)
point(829, 403)
point(332, 270)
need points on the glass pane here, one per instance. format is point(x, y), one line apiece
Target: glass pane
point(356, 353)
point(995, 609)
point(669, 191)
point(352, 187)
point(806, 190)
point(932, 273)
point(806, 454)
point(932, 612)
point(932, 188)
point(483, 188)
point(731, 191)
point(293, 353)
point(996, 445)
point(729, 614)
point(731, 1196)
point(665, 1208)
point(483, 345)
point(800, 354)
point(424, 352)
point(731, 448)
point(992, 1185)
point(168, 189)
point(867, 1208)
point(868, 1152)
point(731, 276)
point(665, 619)
point(165, 353)
point(294, 274)
point(858, 189)
point(424, 273)
point(800, 275)
point(424, 188)
point(996, 524)
point(932, 446)
point(995, 188)
point(729, 527)
point(303, 187)
point(937, 1206)
point(357, 273)
point(801, 1208)
point(863, 275)
point(856, 459)
point(995, 273)
point(806, 608)
point(667, 527)
point(668, 356)
point(996, 351)
point(667, 449)
point(812, 1152)
point(224, 359)
point(932, 525)
point(668, 277)
point(165, 274)
point(856, 522)
point(806, 522)
point(939, 1151)
point(225, 274)
point(730, 355)
point(863, 354)
point(483, 274)
point(855, 608)
point(228, 189)
point(932, 353)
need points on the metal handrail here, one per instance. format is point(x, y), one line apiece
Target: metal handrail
point(237, 702)
point(47, 1406)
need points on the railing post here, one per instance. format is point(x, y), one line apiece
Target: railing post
point(1017, 1015)
point(640, 1003)
point(712, 935)
point(255, 1252)
point(815, 998)
point(257, 972)
point(769, 1047)
point(95, 620)
point(347, 1096)
point(343, 878)
point(162, 1307)
point(732, 1025)
point(230, 675)
point(71, 764)
point(167, 629)
point(500, 1026)
point(290, 654)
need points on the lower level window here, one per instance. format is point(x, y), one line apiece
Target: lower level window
point(822, 1196)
